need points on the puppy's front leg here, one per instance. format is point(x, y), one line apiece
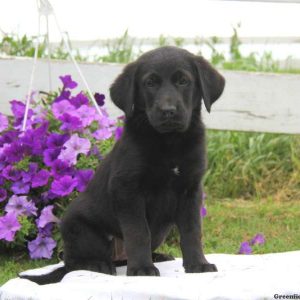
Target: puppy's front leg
point(137, 239)
point(189, 225)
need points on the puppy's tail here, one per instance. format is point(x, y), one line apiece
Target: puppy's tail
point(52, 277)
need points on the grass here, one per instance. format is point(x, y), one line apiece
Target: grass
point(247, 165)
point(228, 223)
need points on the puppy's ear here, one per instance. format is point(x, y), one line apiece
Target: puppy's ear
point(122, 91)
point(211, 81)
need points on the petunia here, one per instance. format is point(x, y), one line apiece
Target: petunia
point(20, 187)
point(63, 186)
point(35, 139)
point(3, 122)
point(11, 173)
point(118, 132)
point(18, 109)
point(21, 206)
point(245, 248)
point(3, 194)
point(258, 239)
point(102, 134)
point(60, 168)
point(64, 95)
point(56, 140)
point(8, 137)
point(83, 177)
point(95, 151)
point(46, 217)
point(68, 156)
point(28, 175)
point(41, 247)
point(74, 146)
point(59, 108)
point(50, 155)
point(68, 82)
point(70, 122)
point(9, 225)
point(99, 99)
point(79, 99)
point(14, 153)
point(203, 211)
point(46, 230)
point(40, 178)
point(85, 114)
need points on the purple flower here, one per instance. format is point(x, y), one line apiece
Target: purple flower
point(35, 139)
point(46, 231)
point(18, 109)
point(245, 248)
point(60, 168)
point(14, 153)
point(46, 217)
point(95, 151)
point(64, 95)
point(70, 122)
point(68, 82)
point(102, 134)
point(83, 177)
point(3, 122)
point(59, 108)
point(99, 99)
point(85, 114)
point(119, 132)
point(203, 211)
point(20, 187)
point(10, 173)
point(79, 99)
point(73, 147)
point(40, 178)
point(28, 175)
point(63, 186)
point(20, 206)
point(56, 140)
point(3, 194)
point(259, 239)
point(41, 247)
point(9, 225)
point(50, 155)
point(8, 137)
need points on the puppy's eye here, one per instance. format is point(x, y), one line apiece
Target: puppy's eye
point(182, 81)
point(150, 82)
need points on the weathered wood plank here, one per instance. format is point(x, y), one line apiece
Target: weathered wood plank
point(251, 101)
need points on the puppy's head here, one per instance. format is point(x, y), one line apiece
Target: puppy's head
point(167, 84)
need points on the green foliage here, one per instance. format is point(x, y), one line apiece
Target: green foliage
point(242, 164)
point(20, 46)
point(119, 50)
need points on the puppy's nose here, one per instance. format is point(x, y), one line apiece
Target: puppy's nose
point(168, 111)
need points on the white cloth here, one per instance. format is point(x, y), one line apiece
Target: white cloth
point(239, 277)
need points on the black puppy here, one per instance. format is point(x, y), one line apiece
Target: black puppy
point(151, 180)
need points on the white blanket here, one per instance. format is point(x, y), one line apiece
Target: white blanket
point(240, 277)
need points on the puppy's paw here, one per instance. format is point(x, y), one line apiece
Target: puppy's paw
point(201, 268)
point(143, 271)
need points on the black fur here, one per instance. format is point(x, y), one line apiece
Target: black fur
point(151, 180)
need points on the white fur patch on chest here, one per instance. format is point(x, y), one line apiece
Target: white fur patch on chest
point(176, 171)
